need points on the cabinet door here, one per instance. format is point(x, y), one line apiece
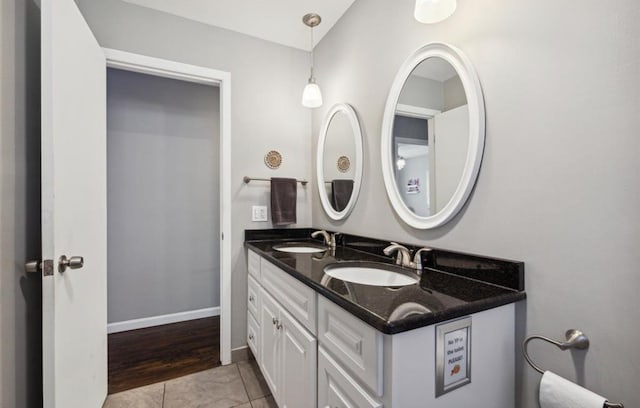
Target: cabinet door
point(337, 389)
point(298, 370)
point(270, 350)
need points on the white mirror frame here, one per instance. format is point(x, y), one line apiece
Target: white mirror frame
point(357, 137)
point(475, 101)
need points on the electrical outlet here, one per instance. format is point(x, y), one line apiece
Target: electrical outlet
point(259, 213)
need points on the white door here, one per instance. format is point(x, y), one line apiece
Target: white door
point(73, 209)
point(298, 369)
point(451, 146)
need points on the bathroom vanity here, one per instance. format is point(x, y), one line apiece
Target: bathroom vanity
point(325, 342)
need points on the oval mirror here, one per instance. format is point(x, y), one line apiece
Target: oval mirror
point(432, 136)
point(339, 161)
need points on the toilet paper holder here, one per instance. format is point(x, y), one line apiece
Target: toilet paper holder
point(575, 339)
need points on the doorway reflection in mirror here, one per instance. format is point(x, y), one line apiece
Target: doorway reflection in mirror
point(430, 136)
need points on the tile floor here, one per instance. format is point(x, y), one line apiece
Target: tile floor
point(239, 385)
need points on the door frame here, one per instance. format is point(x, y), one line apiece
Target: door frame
point(191, 73)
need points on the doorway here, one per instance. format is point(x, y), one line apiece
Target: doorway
point(168, 253)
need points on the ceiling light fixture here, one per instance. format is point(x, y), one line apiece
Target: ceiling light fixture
point(311, 96)
point(434, 11)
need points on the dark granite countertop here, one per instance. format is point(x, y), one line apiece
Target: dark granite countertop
point(438, 296)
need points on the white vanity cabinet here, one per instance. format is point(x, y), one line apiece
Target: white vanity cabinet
point(284, 347)
point(315, 354)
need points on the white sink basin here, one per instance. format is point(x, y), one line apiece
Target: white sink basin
point(369, 275)
point(300, 248)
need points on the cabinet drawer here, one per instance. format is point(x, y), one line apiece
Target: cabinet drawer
point(336, 389)
point(297, 298)
point(253, 264)
point(253, 336)
point(253, 297)
point(354, 344)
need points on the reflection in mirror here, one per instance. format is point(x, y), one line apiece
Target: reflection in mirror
point(339, 161)
point(430, 137)
point(339, 152)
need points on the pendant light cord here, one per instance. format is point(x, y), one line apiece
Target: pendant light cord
point(311, 32)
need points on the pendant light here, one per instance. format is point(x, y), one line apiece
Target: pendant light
point(434, 11)
point(311, 96)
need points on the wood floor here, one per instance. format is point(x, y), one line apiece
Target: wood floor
point(155, 354)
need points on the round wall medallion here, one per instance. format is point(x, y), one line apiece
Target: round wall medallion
point(343, 164)
point(273, 159)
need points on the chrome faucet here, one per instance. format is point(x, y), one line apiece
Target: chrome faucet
point(417, 259)
point(403, 256)
point(329, 239)
point(325, 236)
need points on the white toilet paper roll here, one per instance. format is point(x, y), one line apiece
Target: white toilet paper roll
point(557, 392)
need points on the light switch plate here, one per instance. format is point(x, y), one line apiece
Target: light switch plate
point(259, 213)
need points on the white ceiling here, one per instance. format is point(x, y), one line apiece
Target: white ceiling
point(436, 69)
point(279, 21)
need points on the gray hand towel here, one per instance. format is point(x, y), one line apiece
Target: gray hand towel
point(341, 193)
point(284, 194)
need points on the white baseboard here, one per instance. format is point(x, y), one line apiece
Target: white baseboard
point(117, 327)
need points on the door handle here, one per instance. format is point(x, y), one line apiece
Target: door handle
point(46, 267)
point(75, 262)
point(32, 267)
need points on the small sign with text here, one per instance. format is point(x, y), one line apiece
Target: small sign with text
point(453, 365)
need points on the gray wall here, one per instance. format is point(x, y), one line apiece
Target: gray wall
point(163, 202)
point(267, 81)
point(20, 295)
point(423, 92)
point(454, 95)
point(558, 188)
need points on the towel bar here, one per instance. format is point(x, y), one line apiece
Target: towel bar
point(248, 179)
point(575, 339)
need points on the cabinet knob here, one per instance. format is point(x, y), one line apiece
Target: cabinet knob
point(251, 298)
point(251, 337)
point(276, 323)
